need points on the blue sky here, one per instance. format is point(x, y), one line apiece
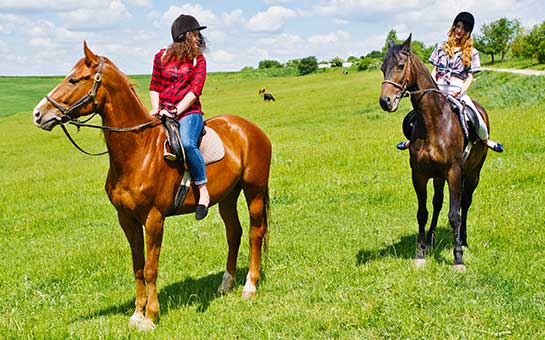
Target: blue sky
point(45, 37)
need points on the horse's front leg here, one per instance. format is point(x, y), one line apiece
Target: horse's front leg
point(154, 238)
point(135, 236)
point(455, 190)
point(419, 183)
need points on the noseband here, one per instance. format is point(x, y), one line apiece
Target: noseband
point(67, 112)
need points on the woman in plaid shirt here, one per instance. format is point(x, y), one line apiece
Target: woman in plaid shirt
point(454, 63)
point(179, 72)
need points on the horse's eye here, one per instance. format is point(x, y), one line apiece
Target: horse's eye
point(73, 80)
point(400, 67)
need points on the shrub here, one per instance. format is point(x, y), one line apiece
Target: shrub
point(307, 65)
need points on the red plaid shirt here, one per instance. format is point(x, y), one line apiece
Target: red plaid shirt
point(174, 79)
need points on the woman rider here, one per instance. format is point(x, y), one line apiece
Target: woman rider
point(454, 63)
point(179, 72)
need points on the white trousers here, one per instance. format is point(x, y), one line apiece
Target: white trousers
point(456, 85)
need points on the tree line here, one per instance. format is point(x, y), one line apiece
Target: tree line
point(496, 39)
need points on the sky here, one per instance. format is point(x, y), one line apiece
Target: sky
point(45, 37)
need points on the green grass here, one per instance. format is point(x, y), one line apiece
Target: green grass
point(511, 62)
point(342, 238)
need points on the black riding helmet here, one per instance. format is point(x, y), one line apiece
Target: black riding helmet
point(467, 19)
point(184, 23)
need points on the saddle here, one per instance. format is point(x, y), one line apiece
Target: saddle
point(466, 116)
point(209, 144)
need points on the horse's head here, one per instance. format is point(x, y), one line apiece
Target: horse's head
point(78, 94)
point(396, 71)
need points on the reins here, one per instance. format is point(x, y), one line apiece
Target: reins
point(67, 113)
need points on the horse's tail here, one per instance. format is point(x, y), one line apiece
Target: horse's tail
point(266, 220)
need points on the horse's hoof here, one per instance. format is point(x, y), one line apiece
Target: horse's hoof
point(460, 268)
point(227, 283)
point(135, 319)
point(248, 294)
point(419, 263)
point(146, 325)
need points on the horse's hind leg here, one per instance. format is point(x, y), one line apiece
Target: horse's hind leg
point(419, 183)
point(470, 184)
point(135, 236)
point(229, 214)
point(257, 198)
point(438, 186)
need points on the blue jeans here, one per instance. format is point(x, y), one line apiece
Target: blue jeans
point(190, 130)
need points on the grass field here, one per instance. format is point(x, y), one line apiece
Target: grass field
point(343, 233)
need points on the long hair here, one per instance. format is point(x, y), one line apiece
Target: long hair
point(185, 49)
point(465, 45)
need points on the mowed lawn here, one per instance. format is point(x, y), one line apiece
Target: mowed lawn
point(342, 237)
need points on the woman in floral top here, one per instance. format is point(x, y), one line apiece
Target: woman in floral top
point(454, 64)
point(179, 72)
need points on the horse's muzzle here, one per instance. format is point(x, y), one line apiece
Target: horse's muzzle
point(389, 104)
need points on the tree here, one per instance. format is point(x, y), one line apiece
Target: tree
point(496, 37)
point(375, 55)
point(307, 65)
point(392, 36)
point(534, 43)
point(353, 59)
point(337, 62)
point(293, 63)
point(269, 64)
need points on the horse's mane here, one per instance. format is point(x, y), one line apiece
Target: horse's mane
point(126, 80)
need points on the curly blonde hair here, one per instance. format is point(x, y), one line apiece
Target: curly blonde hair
point(186, 49)
point(465, 45)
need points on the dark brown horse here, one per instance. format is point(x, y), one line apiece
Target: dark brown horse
point(142, 186)
point(436, 148)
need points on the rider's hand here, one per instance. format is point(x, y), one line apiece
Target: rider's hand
point(166, 113)
point(154, 112)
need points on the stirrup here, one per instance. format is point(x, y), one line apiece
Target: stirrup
point(167, 154)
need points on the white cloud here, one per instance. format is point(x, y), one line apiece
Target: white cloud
point(204, 17)
point(52, 5)
point(233, 18)
point(42, 42)
point(141, 3)
point(272, 20)
point(96, 18)
point(272, 2)
point(222, 56)
point(328, 39)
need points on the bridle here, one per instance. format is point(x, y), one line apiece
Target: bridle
point(403, 92)
point(67, 112)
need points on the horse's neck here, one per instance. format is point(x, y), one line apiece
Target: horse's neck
point(427, 105)
point(125, 110)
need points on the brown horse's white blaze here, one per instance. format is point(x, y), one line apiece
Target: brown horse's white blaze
point(437, 144)
point(142, 186)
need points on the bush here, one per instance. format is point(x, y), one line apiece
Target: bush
point(364, 63)
point(307, 65)
point(269, 64)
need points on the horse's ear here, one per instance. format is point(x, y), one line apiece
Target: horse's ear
point(406, 46)
point(90, 57)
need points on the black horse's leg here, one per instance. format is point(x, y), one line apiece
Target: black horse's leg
point(455, 189)
point(438, 186)
point(419, 183)
point(470, 184)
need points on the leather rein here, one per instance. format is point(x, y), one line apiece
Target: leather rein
point(68, 112)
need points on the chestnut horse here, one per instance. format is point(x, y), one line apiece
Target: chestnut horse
point(436, 148)
point(142, 186)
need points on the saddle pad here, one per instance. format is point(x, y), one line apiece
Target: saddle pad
point(211, 146)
